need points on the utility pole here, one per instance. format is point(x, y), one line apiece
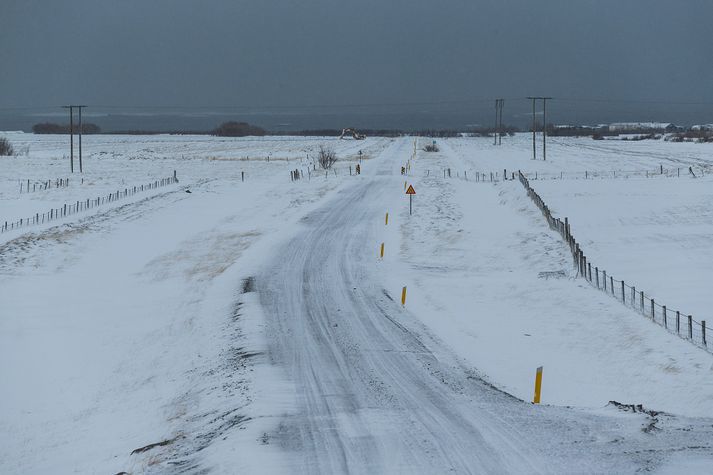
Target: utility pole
point(544, 126)
point(80, 137)
point(71, 136)
point(500, 139)
point(534, 150)
point(498, 134)
point(495, 132)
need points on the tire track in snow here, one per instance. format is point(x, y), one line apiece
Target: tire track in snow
point(375, 397)
point(377, 393)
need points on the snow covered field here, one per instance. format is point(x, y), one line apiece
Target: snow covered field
point(480, 247)
point(250, 327)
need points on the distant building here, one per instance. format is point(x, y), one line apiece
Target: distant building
point(623, 127)
point(702, 127)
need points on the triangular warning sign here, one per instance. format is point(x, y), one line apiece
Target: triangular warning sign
point(410, 190)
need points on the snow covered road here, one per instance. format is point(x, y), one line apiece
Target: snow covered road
point(374, 397)
point(250, 327)
point(378, 393)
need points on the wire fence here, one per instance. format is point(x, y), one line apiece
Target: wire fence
point(43, 185)
point(496, 176)
point(660, 172)
point(673, 320)
point(78, 206)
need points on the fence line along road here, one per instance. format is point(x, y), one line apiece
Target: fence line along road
point(674, 321)
point(43, 185)
point(74, 208)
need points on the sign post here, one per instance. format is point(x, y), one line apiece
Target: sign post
point(410, 192)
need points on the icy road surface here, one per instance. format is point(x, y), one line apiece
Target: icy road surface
point(378, 393)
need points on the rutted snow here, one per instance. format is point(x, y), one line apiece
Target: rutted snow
point(119, 327)
point(127, 326)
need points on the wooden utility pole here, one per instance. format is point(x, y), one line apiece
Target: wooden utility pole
point(534, 150)
point(80, 137)
point(500, 136)
point(544, 126)
point(71, 136)
point(495, 132)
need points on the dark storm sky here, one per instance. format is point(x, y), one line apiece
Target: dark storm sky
point(215, 53)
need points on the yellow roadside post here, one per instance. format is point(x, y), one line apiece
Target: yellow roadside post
point(386, 221)
point(538, 384)
point(382, 250)
point(403, 296)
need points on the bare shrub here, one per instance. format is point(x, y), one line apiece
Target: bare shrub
point(326, 157)
point(6, 147)
point(431, 148)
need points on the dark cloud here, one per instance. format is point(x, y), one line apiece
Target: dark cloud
point(210, 53)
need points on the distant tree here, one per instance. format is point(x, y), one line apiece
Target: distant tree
point(50, 128)
point(47, 128)
point(6, 147)
point(237, 129)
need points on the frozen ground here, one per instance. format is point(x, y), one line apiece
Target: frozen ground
point(654, 233)
point(113, 162)
point(474, 253)
point(250, 327)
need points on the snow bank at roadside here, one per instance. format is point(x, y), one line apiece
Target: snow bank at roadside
point(472, 255)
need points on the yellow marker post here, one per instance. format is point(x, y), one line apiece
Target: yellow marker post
point(386, 221)
point(382, 250)
point(405, 184)
point(538, 384)
point(403, 296)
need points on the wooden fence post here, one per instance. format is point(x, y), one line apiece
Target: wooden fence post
point(605, 280)
point(589, 270)
point(623, 299)
point(665, 323)
point(690, 327)
point(642, 301)
point(611, 284)
point(596, 272)
point(653, 310)
point(703, 330)
point(678, 322)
